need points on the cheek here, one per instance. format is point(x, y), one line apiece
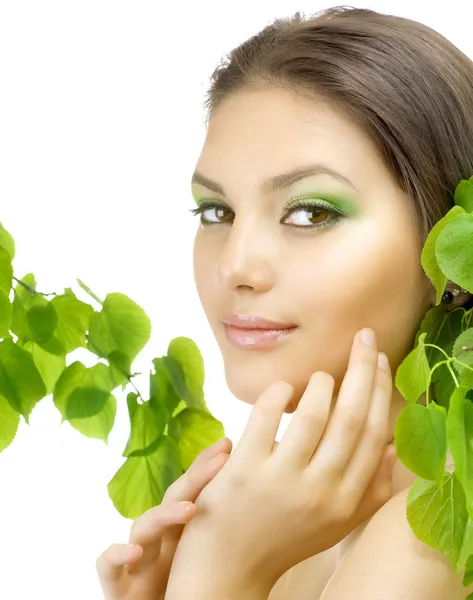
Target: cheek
point(204, 271)
point(378, 285)
point(349, 287)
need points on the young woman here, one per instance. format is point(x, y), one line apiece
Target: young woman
point(334, 144)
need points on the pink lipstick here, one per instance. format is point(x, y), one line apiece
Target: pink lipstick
point(252, 332)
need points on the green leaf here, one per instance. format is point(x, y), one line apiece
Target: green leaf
point(6, 271)
point(89, 398)
point(161, 387)
point(412, 376)
point(53, 346)
point(49, 365)
point(444, 388)
point(99, 425)
point(438, 517)
point(82, 392)
point(464, 195)
point(20, 380)
point(24, 295)
point(74, 319)
point(41, 318)
point(185, 366)
point(460, 441)
point(6, 311)
point(6, 242)
point(464, 363)
point(89, 291)
point(468, 574)
point(121, 325)
point(173, 429)
point(9, 422)
point(22, 300)
point(442, 328)
point(421, 440)
point(467, 546)
point(141, 481)
point(199, 430)
point(454, 250)
point(428, 257)
point(148, 421)
point(120, 367)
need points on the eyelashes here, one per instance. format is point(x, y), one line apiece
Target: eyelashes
point(315, 208)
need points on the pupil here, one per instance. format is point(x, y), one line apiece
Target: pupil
point(317, 212)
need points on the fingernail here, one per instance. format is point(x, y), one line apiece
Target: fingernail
point(218, 457)
point(131, 553)
point(181, 507)
point(367, 336)
point(383, 362)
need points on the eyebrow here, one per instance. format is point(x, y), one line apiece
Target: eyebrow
point(278, 182)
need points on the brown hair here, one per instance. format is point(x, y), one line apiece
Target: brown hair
point(407, 85)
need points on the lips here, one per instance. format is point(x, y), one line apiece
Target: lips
point(254, 322)
point(251, 332)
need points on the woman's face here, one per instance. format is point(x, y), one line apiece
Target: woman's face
point(329, 275)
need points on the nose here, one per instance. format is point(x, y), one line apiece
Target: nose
point(248, 257)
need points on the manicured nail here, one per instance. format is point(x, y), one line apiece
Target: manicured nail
point(367, 337)
point(383, 362)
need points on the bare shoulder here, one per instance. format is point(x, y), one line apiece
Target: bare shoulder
point(388, 561)
point(307, 579)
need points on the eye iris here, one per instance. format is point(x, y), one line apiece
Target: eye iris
point(222, 214)
point(317, 212)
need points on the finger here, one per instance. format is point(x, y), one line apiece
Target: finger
point(198, 475)
point(165, 522)
point(174, 532)
point(380, 489)
point(261, 429)
point(149, 529)
point(110, 563)
point(308, 423)
point(351, 410)
point(365, 460)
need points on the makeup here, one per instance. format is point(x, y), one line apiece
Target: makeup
point(255, 339)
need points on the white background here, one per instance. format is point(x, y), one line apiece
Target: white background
point(101, 124)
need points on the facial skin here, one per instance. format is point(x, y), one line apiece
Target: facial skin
point(360, 271)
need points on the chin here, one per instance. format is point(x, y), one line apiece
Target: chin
point(249, 386)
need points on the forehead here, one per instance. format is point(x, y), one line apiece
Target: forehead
point(267, 131)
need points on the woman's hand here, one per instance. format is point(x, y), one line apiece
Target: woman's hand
point(141, 571)
point(275, 505)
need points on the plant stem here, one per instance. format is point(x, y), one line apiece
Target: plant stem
point(129, 377)
point(32, 290)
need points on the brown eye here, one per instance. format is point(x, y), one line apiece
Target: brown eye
point(222, 215)
point(318, 215)
point(309, 215)
point(301, 215)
